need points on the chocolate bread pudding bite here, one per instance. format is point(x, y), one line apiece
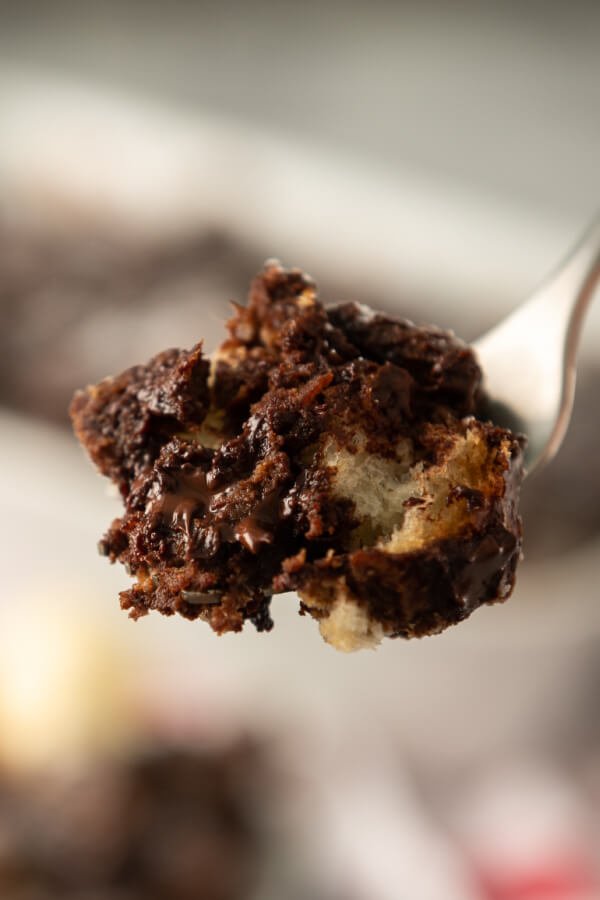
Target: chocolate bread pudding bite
point(335, 452)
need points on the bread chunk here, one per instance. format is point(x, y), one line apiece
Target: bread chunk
point(335, 452)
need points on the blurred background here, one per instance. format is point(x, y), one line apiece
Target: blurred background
point(433, 159)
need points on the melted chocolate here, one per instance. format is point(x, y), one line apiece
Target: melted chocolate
point(258, 529)
point(194, 494)
point(178, 507)
point(484, 571)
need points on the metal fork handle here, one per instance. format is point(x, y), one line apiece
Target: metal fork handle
point(529, 358)
point(567, 295)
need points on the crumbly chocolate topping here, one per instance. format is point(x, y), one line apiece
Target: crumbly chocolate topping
point(240, 478)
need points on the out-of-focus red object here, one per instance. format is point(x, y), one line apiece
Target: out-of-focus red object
point(565, 877)
point(527, 830)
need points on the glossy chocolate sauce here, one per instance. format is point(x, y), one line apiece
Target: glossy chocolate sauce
point(485, 568)
point(191, 495)
point(190, 503)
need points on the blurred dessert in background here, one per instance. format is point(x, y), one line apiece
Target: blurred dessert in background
point(110, 790)
point(77, 303)
point(165, 823)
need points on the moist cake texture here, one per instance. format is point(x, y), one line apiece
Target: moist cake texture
point(335, 452)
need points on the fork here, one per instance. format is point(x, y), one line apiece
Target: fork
point(529, 358)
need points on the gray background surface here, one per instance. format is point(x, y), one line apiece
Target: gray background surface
point(504, 97)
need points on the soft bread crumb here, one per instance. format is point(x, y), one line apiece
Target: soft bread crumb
point(402, 508)
point(348, 627)
point(382, 490)
point(210, 433)
point(470, 463)
point(377, 486)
